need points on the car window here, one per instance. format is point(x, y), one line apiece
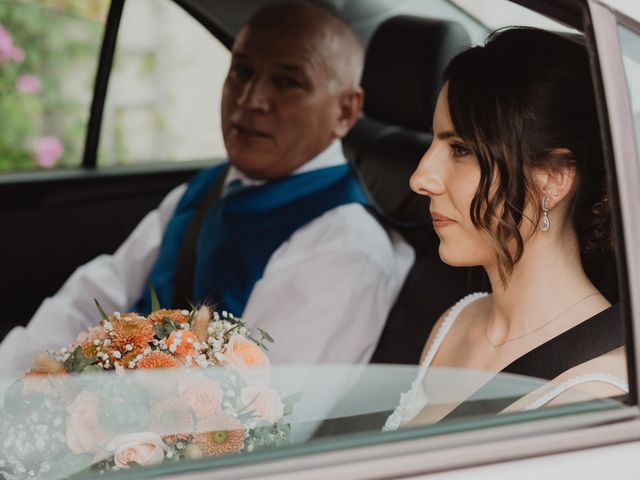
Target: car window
point(164, 92)
point(46, 80)
point(232, 407)
point(188, 419)
point(630, 44)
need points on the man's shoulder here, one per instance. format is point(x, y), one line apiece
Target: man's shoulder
point(349, 229)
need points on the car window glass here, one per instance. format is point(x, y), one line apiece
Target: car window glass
point(182, 420)
point(162, 106)
point(164, 92)
point(46, 80)
point(630, 44)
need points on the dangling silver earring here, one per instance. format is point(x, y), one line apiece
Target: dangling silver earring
point(544, 223)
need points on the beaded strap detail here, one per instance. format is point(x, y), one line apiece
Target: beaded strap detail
point(577, 380)
point(414, 400)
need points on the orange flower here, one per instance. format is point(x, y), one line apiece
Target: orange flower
point(176, 315)
point(135, 331)
point(158, 360)
point(172, 419)
point(224, 434)
point(181, 343)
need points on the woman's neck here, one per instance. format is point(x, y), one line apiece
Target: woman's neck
point(547, 287)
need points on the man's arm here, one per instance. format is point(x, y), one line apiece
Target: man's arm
point(326, 293)
point(116, 281)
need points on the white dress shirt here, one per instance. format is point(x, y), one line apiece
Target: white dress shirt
point(324, 295)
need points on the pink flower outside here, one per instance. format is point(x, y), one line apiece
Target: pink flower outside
point(47, 150)
point(7, 49)
point(29, 84)
point(17, 54)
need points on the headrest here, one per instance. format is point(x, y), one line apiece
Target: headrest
point(403, 69)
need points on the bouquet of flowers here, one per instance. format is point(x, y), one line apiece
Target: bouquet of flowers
point(133, 405)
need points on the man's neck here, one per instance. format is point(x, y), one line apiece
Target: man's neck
point(329, 157)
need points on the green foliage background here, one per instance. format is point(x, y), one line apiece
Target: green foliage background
point(61, 38)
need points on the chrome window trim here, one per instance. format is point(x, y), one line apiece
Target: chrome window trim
point(394, 459)
point(605, 25)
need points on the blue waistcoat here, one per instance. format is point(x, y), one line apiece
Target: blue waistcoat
point(242, 230)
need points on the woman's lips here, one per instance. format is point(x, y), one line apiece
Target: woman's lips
point(441, 221)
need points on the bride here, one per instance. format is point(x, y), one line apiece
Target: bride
point(517, 185)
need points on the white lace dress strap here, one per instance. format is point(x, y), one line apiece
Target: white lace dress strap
point(577, 380)
point(415, 399)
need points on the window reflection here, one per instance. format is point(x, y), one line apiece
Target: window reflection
point(630, 43)
point(46, 80)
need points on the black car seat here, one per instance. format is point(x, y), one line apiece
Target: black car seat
point(402, 77)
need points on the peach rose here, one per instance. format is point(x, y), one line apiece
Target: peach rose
point(94, 333)
point(250, 360)
point(144, 448)
point(264, 401)
point(202, 394)
point(83, 430)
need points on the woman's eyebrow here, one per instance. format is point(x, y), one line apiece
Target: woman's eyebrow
point(447, 135)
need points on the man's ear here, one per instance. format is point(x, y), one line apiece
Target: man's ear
point(350, 106)
point(556, 181)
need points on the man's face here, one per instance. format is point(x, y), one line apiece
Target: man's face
point(280, 104)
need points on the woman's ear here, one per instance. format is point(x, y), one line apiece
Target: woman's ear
point(556, 181)
point(351, 103)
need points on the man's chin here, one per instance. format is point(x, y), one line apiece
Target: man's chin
point(254, 166)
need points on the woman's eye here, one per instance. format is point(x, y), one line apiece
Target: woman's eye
point(459, 150)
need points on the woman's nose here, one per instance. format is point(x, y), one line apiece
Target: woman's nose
point(427, 180)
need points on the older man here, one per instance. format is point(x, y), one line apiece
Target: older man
point(278, 235)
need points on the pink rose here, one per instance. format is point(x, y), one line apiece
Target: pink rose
point(29, 84)
point(144, 448)
point(250, 360)
point(202, 394)
point(47, 150)
point(264, 401)
point(83, 430)
point(94, 333)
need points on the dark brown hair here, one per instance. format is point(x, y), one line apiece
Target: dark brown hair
point(524, 95)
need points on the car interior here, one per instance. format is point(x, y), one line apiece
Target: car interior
point(56, 221)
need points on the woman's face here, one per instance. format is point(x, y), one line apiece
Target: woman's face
point(449, 175)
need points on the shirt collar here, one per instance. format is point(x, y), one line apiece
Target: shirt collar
point(330, 157)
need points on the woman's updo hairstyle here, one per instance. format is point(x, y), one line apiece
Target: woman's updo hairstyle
point(514, 101)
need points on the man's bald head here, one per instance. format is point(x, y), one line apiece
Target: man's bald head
point(304, 20)
point(292, 88)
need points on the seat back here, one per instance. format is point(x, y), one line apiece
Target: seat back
point(402, 78)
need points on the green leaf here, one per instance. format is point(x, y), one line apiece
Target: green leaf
point(265, 336)
point(77, 361)
point(258, 342)
point(170, 324)
point(247, 416)
point(102, 312)
point(155, 303)
point(236, 326)
point(93, 369)
point(289, 401)
point(160, 331)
